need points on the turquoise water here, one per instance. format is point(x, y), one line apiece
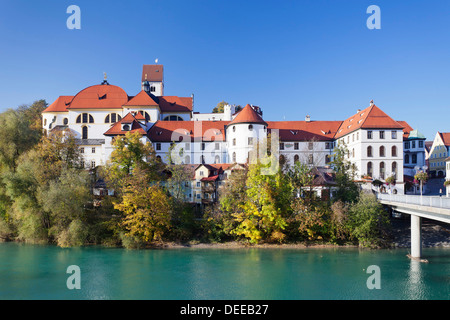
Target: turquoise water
point(39, 272)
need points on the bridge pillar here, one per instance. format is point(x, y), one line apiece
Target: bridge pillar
point(416, 236)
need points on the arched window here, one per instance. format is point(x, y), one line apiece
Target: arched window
point(234, 128)
point(296, 158)
point(353, 152)
point(369, 169)
point(217, 159)
point(187, 160)
point(158, 158)
point(65, 121)
point(394, 169)
point(282, 159)
point(85, 118)
point(369, 151)
point(234, 156)
point(382, 153)
point(250, 127)
point(202, 159)
point(84, 133)
point(394, 151)
point(382, 170)
point(173, 118)
point(113, 118)
point(146, 115)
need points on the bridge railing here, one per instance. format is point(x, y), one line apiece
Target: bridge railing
point(430, 201)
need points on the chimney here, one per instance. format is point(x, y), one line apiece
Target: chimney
point(307, 118)
point(371, 102)
point(358, 110)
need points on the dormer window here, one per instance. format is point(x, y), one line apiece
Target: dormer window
point(125, 127)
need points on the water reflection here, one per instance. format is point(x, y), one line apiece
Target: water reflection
point(415, 282)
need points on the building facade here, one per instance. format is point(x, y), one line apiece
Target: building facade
point(99, 113)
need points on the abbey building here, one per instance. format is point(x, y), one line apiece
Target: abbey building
point(99, 113)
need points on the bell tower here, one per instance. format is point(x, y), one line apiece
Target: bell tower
point(153, 79)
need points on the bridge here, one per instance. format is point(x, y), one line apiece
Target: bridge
point(430, 207)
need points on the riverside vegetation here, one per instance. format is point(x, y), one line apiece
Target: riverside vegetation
point(46, 197)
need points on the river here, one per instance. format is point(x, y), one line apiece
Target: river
point(40, 272)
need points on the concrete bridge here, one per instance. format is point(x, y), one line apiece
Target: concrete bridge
point(430, 207)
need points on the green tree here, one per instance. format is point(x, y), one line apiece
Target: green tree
point(266, 207)
point(347, 189)
point(369, 222)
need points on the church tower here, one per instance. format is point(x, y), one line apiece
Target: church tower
point(153, 79)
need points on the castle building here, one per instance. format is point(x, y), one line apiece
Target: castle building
point(99, 113)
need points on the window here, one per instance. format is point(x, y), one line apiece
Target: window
point(201, 173)
point(369, 134)
point(382, 153)
point(234, 141)
point(327, 158)
point(113, 118)
point(234, 128)
point(328, 145)
point(250, 127)
point(414, 158)
point(310, 145)
point(65, 121)
point(126, 127)
point(369, 169)
point(369, 151)
point(357, 136)
point(187, 146)
point(217, 159)
point(173, 118)
point(85, 118)
point(82, 164)
point(217, 146)
point(353, 152)
point(198, 195)
point(202, 159)
point(381, 134)
point(406, 158)
point(45, 122)
point(81, 150)
point(93, 164)
point(310, 159)
point(93, 150)
point(406, 144)
point(234, 156)
point(198, 184)
point(394, 151)
point(187, 160)
point(394, 134)
point(295, 145)
point(413, 144)
point(296, 158)
point(203, 146)
point(84, 133)
point(281, 146)
point(394, 169)
point(421, 144)
point(145, 114)
point(158, 146)
point(152, 88)
point(382, 170)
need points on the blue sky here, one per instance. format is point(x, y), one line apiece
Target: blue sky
point(290, 57)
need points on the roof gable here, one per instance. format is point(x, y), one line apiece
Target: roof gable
point(135, 126)
point(60, 104)
point(141, 99)
point(370, 118)
point(248, 115)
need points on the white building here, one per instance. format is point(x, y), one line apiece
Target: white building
point(98, 113)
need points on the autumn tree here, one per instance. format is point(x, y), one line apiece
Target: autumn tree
point(266, 206)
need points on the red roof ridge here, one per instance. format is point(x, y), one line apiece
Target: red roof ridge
point(248, 115)
point(141, 99)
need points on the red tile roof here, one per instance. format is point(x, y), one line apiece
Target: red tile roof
point(248, 115)
point(371, 117)
point(406, 129)
point(60, 104)
point(102, 96)
point(445, 136)
point(154, 72)
point(305, 130)
point(175, 104)
point(116, 128)
point(167, 131)
point(141, 99)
